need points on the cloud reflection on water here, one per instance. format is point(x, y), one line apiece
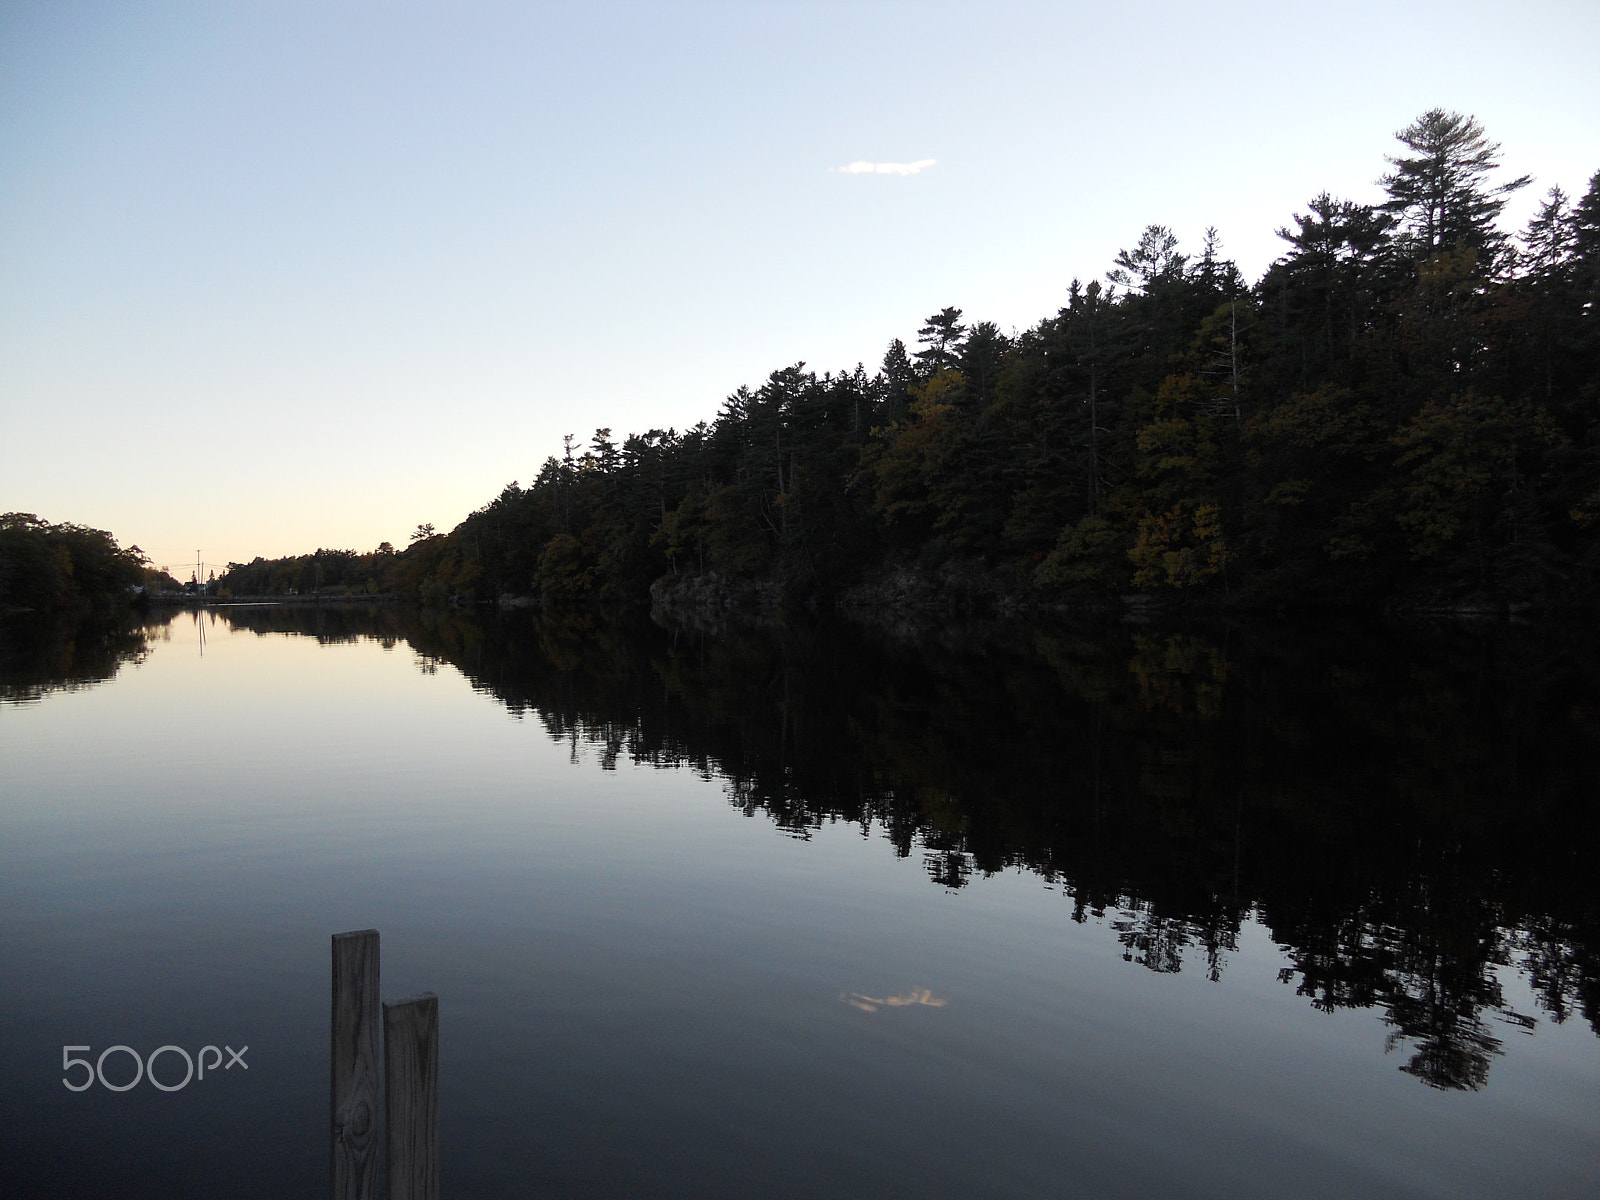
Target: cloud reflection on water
point(915, 996)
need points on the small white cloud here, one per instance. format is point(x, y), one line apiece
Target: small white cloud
point(863, 167)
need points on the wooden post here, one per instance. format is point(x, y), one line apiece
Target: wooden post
point(353, 1068)
point(411, 1098)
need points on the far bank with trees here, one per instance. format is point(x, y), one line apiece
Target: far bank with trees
point(1401, 411)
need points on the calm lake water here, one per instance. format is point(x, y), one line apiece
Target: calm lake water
point(1099, 911)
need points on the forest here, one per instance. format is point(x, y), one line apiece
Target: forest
point(66, 568)
point(1401, 412)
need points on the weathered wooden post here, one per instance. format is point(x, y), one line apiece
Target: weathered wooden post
point(353, 1073)
point(411, 1096)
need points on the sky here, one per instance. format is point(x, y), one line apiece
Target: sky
point(283, 276)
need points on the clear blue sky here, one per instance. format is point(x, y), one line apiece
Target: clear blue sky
point(280, 276)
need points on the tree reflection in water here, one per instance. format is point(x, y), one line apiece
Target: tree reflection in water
point(1409, 810)
point(42, 653)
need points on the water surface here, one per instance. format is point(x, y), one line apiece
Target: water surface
point(1079, 911)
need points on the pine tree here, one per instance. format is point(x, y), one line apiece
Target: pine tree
point(1323, 290)
point(1154, 260)
point(1441, 191)
point(941, 336)
point(1586, 248)
point(894, 378)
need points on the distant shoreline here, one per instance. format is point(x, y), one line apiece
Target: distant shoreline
point(195, 601)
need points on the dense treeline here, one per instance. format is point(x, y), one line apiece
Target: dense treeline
point(64, 568)
point(1401, 410)
point(305, 574)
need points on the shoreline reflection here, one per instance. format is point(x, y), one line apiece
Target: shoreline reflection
point(1407, 810)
